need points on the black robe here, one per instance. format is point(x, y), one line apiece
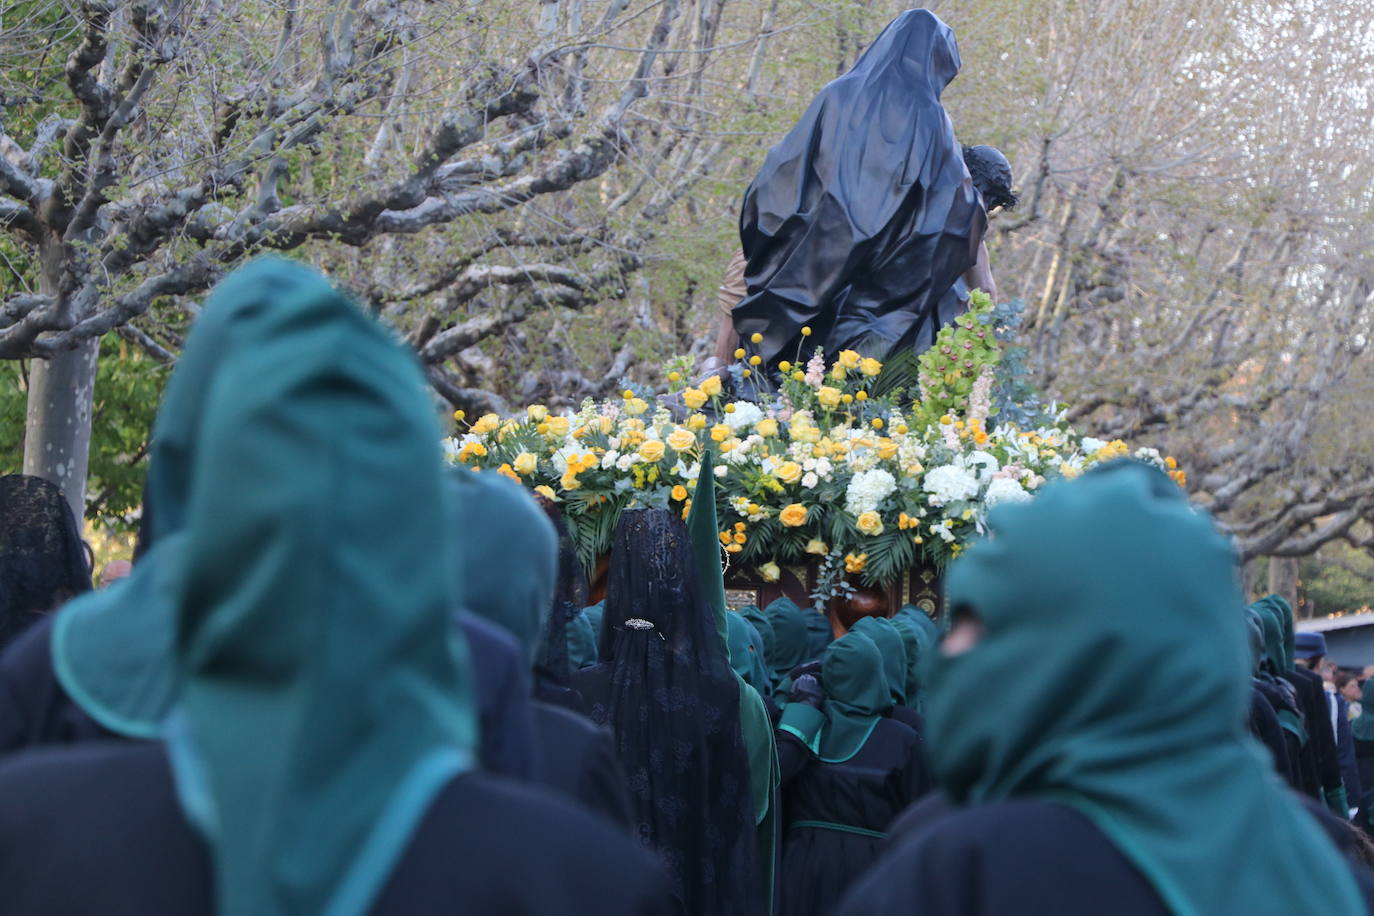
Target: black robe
point(1312, 701)
point(1026, 856)
point(34, 709)
point(504, 705)
point(577, 758)
point(98, 829)
point(864, 794)
point(1264, 725)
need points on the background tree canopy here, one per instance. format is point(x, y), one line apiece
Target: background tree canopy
point(541, 197)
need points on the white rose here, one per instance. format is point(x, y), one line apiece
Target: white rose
point(809, 480)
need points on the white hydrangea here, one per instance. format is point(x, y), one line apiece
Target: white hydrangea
point(987, 464)
point(867, 489)
point(744, 415)
point(950, 483)
point(1005, 490)
point(1091, 445)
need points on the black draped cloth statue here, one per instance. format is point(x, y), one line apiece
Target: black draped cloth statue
point(665, 687)
point(42, 557)
point(864, 218)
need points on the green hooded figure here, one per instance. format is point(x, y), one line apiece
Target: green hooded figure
point(889, 642)
point(582, 641)
point(314, 656)
point(746, 652)
point(1113, 601)
point(790, 638)
point(856, 698)
point(912, 650)
point(505, 559)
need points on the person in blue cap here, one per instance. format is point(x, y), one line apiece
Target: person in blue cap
point(1310, 650)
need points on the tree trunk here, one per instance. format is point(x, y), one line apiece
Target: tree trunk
point(1283, 579)
point(57, 421)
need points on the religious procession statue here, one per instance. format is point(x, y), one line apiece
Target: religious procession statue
point(866, 222)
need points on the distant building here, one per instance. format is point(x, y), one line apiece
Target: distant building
point(1349, 637)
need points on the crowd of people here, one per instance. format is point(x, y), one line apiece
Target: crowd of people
point(342, 677)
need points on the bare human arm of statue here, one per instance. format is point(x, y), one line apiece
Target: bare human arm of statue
point(979, 276)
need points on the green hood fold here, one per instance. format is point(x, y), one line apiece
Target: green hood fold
point(1113, 601)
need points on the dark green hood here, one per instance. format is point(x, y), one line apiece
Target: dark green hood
point(911, 646)
point(311, 619)
point(505, 553)
point(856, 695)
point(746, 653)
point(582, 639)
point(1272, 658)
point(889, 642)
point(1113, 601)
point(790, 637)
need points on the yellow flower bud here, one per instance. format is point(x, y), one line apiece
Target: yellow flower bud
point(525, 464)
point(847, 398)
point(459, 414)
point(755, 360)
point(696, 421)
point(806, 330)
point(730, 408)
point(784, 366)
point(756, 338)
point(861, 395)
point(799, 376)
point(627, 394)
point(739, 353)
point(674, 376)
point(876, 423)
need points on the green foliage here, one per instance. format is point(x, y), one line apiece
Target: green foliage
point(128, 389)
point(949, 369)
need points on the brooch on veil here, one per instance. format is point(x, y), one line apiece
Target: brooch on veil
point(639, 623)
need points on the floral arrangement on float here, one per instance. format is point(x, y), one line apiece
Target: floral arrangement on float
point(864, 468)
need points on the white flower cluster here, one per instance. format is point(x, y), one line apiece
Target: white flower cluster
point(1005, 490)
point(867, 489)
point(744, 415)
point(950, 483)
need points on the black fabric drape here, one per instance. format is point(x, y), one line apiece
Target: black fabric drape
point(665, 686)
point(864, 217)
point(42, 556)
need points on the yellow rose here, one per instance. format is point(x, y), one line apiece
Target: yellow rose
point(679, 493)
point(886, 449)
point(1068, 470)
point(829, 397)
point(570, 481)
point(472, 450)
point(870, 366)
point(711, 385)
point(807, 434)
point(486, 423)
point(537, 412)
point(817, 547)
point(789, 472)
point(767, 427)
point(855, 564)
point(679, 440)
point(769, 572)
point(793, 516)
point(636, 406)
point(651, 450)
point(694, 397)
point(720, 432)
point(696, 421)
point(525, 463)
point(558, 427)
point(546, 491)
point(870, 523)
point(607, 424)
point(505, 470)
point(837, 372)
point(849, 359)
